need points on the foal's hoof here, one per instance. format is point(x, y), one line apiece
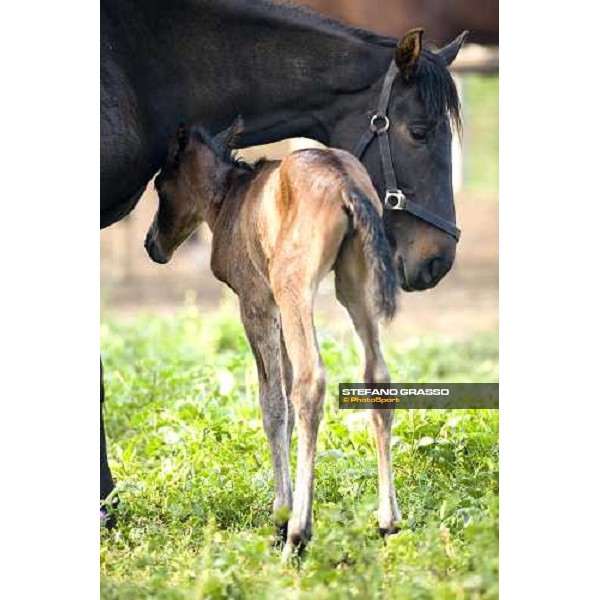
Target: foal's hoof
point(296, 544)
point(281, 533)
point(390, 530)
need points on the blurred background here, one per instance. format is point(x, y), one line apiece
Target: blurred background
point(465, 303)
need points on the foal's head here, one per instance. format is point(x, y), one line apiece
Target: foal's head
point(193, 179)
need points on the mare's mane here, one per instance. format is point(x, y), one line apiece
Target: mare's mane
point(437, 89)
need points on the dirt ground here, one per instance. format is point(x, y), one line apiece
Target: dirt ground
point(465, 302)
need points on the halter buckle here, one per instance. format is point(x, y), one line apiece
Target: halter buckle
point(395, 200)
point(382, 128)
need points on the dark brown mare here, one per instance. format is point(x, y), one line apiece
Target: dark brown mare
point(278, 229)
point(290, 72)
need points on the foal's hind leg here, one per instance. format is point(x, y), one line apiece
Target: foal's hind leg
point(352, 292)
point(308, 391)
point(262, 325)
point(288, 374)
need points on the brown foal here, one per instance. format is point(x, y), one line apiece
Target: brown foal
point(278, 229)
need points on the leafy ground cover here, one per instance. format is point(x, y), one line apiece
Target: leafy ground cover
point(195, 484)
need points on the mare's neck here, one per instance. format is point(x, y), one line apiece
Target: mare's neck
point(286, 70)
point(299, 71)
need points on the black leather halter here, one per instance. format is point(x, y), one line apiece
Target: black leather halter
point(395, 199)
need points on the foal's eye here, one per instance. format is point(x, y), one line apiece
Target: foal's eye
point(418, 133)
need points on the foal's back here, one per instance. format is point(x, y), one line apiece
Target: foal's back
point(315, 213)
point(295, 210)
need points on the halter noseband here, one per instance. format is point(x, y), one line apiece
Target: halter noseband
point(395, 199)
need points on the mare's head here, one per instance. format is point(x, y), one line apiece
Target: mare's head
point(423, 112)
point(193, 179)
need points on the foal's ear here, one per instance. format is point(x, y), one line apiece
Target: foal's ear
point(225, 141)
point(234, 133)
point(183, 135)
point(450, 52)
point(408, 53)
point(178, 143)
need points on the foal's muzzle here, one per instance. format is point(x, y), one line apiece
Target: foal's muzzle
point(153, 250)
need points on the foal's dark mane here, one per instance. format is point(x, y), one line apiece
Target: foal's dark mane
point(222, 148)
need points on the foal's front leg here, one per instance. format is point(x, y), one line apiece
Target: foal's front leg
point(262, 325)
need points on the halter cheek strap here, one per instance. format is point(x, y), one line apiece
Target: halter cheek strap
point(395, 199)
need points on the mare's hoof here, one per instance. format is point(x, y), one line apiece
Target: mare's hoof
point(108, 512)
point(107, 520)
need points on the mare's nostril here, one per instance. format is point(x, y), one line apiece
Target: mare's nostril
point(427, 275)
point(433, 271)
point(437, 268)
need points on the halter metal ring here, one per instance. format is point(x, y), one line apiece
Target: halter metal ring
point(395, 200)
point(375, 128)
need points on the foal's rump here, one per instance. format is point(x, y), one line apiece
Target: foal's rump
point(377, 255)
point(326, 201)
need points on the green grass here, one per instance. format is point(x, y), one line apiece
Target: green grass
point(481, 133)
point(192, 465)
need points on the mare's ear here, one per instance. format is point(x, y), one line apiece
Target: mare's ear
point(408, 53)
point(450, 52)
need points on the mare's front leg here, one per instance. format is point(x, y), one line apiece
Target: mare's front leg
point(352, 292)
point(261, 322)
point(106, 480)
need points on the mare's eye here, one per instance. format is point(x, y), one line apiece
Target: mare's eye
point(418, 133)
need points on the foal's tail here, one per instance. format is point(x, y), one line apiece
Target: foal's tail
point(383, 278)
